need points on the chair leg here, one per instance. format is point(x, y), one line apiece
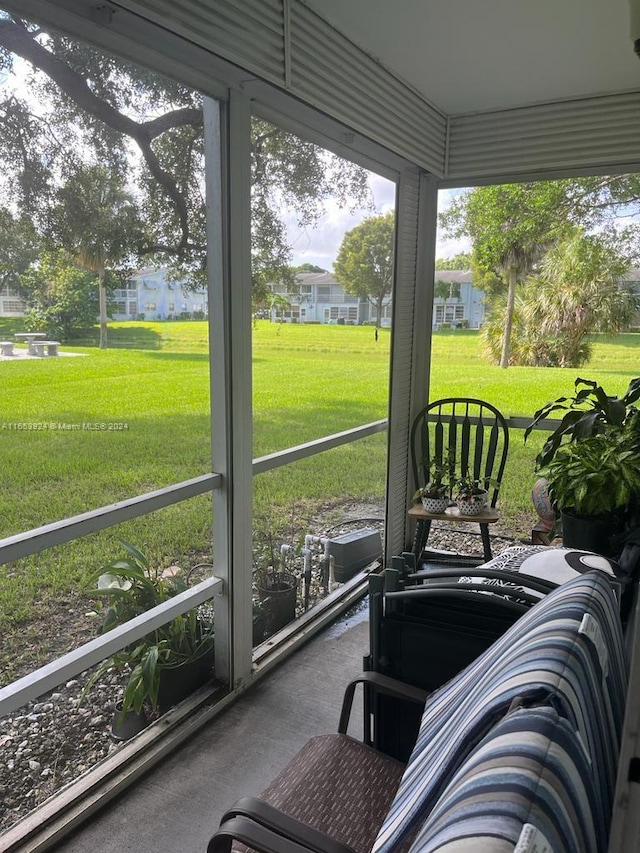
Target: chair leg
point(486, 543)
point(420, 536)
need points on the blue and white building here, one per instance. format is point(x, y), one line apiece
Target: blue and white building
point(151, 294)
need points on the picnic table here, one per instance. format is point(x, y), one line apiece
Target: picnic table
point(30, 337)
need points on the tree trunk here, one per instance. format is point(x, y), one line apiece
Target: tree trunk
point(511, 300)
point(103, 309)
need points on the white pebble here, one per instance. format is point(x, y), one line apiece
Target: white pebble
point(33, 764)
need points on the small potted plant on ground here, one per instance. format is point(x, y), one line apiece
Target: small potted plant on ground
point(435, 494)
point(171, 661)
point(470, 495)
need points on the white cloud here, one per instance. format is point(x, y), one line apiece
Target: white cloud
point(320, 245)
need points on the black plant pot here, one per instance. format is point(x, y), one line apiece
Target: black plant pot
point(279, 604)
point(589, 533)
point(125, 726)
point(259, 627)
point(178, 682)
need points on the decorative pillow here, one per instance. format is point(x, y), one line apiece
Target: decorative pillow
point(558, 565)
point(528, 786)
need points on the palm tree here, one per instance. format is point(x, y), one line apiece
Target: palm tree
point(578, 291)
point(98, 222)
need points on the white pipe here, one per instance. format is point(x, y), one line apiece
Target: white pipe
point(284, 549)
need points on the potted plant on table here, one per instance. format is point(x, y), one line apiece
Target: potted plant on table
point(591, 462)
point(171, 661)
point(436, 493)
point(470, 495)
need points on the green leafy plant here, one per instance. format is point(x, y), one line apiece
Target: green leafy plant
point(469, 488)
point(439, 483)
point(131, 586)
point(591, 411)
point(599, 474)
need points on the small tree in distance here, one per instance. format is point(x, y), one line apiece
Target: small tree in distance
point(364, 266)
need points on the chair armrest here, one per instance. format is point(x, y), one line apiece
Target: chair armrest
point(382, 684)
point(254, 836)
point(277, 824)
point(517, 578)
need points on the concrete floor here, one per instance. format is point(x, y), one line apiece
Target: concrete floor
point(177, 805)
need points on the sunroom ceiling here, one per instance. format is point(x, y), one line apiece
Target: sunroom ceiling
point(469, 55)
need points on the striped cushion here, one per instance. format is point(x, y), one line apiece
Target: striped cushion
point(529, 777)
point(561, 651)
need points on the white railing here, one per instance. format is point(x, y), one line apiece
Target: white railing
point(31, 541)
point(12, 548)
point(30, 686)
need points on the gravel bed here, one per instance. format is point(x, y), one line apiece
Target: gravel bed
point(51, 742)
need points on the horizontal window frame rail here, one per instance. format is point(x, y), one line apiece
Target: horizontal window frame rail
point(58, 671)
point(302, 451)
point(49, 535)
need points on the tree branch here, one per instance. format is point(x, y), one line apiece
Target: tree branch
point(18, 39)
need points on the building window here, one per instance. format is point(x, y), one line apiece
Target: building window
point(171, 307)
point(15, 306)
point(324, 293)
point(305, 291)
point(121, 307)
point(149, 306)
point(133, 309)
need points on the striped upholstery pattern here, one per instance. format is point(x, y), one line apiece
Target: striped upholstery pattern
point(530, 773)
point(567, 650)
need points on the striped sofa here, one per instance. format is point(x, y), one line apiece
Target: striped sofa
point(522, 744)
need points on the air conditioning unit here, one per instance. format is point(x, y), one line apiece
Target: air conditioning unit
point(353, 551)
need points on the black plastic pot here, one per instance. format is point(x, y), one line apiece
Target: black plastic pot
point(125, 726)
point(259, 627)
point(279, 604)
point(178, 682)
point(589, 533)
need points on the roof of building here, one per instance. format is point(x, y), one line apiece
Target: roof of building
point(454, 276)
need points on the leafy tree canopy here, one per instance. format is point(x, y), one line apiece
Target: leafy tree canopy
point(64, 298)
point(512, 228)
point(461, 261)
point(308, 268)
point(148, 132)
point(364, 266)
point(576, 291)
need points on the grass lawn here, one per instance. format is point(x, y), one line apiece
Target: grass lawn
point(153, 383)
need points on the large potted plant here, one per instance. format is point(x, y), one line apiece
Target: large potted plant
point(591, 462)
point(593, 483)
point(168, 663)
point(590, 411)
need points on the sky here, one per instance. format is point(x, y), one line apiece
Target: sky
point(320, 246)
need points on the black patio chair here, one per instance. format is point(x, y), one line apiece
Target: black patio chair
point(471, 437)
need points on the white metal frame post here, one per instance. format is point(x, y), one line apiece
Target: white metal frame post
point(229, 224)
point(416, 222)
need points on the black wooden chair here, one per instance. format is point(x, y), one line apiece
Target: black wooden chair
point(471, 437)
